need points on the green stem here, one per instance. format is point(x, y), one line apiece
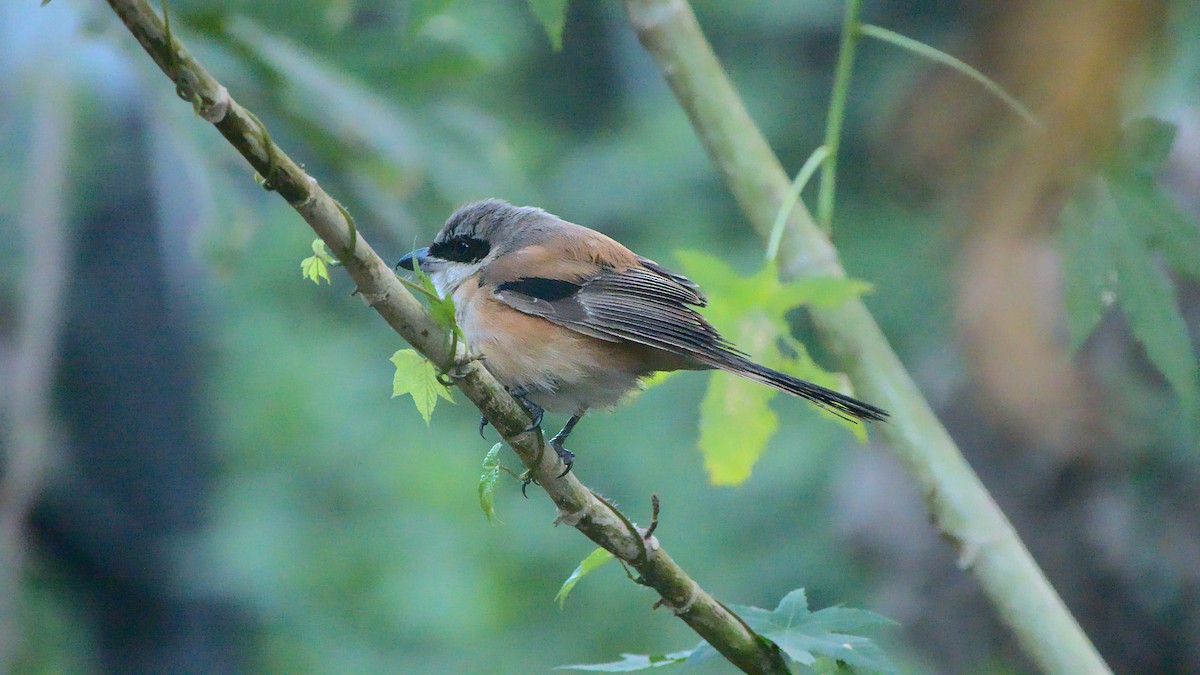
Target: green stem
point(938, 56)
point(837, 113)
point(793, 196)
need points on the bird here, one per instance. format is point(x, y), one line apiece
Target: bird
point(569, 320)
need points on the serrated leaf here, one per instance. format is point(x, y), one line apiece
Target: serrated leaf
point(1089, 274)
point(1146, 143)
point(552, 15)
point(1104, 238)
point(632, 662)
point(415, 375)
point(487, 482)
point(315, 269)
point(316, 266)
point(441, 309)
point(1164, 226)
point(1147, 298)
point(805, 636)
point(594, 560)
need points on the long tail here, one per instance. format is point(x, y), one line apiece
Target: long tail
point(839, 404)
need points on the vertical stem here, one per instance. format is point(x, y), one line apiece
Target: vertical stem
point(837, 112)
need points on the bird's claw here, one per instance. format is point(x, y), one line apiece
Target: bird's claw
point(537, 420)
point(483, 422)
point(568, 460)
point(526, 479)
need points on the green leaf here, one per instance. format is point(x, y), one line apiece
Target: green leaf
point(487, 482)
point(316, 266)
point(823, 640)
point(807, 636)
point(595, 559)
point(1148, 299)
point(736, 420)
point(552, 14)
point(1089, 273)
point(632, 662)
point(1107, 252)
point(415, 375)
point(1164, 226)
point(1146, 143)
point(442, 309)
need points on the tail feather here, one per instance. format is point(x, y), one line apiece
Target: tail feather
point(839, 404)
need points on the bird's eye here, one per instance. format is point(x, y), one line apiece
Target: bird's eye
point(461, 249)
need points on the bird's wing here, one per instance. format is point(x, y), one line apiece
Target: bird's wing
point(650, 305)
point(643, 303)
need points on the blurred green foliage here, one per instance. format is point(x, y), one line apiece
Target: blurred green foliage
point(347, 528)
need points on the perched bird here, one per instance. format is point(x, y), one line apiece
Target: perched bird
point(569, 320)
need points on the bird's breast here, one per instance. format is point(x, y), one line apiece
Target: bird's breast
point(563, 370)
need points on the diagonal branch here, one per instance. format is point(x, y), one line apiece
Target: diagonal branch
point(960, 505)
point(577, 506)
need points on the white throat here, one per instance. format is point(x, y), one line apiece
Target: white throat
point(448, 278)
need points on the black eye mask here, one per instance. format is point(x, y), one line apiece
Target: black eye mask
point(462, 249)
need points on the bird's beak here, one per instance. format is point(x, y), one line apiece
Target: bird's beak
point(421, 255)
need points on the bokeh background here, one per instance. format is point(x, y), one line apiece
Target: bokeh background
point(203, 469)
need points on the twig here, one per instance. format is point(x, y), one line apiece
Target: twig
point(938, 56)
point(837, 113)
point(577, 505)
point(961, 507)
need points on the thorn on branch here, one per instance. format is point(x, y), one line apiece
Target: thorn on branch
point(653, 518)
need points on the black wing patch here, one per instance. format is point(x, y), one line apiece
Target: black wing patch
point(637, 304)
point(541, 289)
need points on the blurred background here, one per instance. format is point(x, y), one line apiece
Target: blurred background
point(203, 470)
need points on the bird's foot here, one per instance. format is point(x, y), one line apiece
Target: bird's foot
point(567, 457)
point(482, 423)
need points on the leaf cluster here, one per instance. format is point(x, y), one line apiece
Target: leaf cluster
point(1120, 234)
point(824, 641)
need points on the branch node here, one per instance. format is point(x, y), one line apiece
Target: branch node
point(372, 299)
point(569, 518)
point(969, 550)
point(215, 111)
point(686, 606)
